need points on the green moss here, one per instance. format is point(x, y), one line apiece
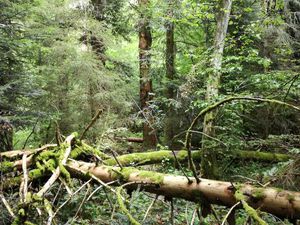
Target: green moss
point(36, 173)
point(290, 197)
point(182, 155)
point(28, 197)
point(6, 166)
point(155, 177)
point(123, 207)
point(124, 174)
point(37, 198)
point(47, 154)
point(251, 212)
point(265, 156)
point(29, 223)
point(21, 212)
point(77, 152)
point(87, 150)
point(258, 193)
point(65, 173)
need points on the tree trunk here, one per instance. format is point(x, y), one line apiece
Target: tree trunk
point(284, 204)
point(171, 121)
point(145, 42)
point(147, 158)
point(208, 164)
point(6, 135)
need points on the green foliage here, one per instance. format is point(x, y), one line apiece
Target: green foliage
point(61, 61)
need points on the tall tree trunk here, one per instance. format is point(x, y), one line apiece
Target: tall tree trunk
point(145, 42)
point(209, 155)
point(208, 165)
point(171, 121)
point(6, 135)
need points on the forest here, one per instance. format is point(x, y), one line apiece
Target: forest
point(150, 112)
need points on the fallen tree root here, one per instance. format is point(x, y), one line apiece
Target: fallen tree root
point(284, 204)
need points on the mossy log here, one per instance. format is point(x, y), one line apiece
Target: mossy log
point(43, 162)
point(284, 204)
point(147, 158)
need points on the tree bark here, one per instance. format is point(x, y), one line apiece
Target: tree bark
point(6, 135)
point(284, 204)
point(208, 164)
point(171, 121)
point(146, 92)
point(145, 158)
point(148, 158)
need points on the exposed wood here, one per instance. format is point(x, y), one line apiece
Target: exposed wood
point(19, 153)
point(135, 140)
point(281, 203)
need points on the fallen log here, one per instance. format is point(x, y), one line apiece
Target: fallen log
point(146, 158)
point(42, 164)
point(282, 203)
point(135, 140)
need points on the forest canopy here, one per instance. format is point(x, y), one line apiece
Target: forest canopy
point(149, 112)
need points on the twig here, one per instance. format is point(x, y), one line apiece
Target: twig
point(214, 212)
point(7, 206)
point(32, 131)
point(95, 118)
point(172, 212)
point(189, 180)
point(247, 219)
point(109, 201)
point(213, 107)
point(249, 179)
point(115, 157)
point(57, 193)
point(194, 216)
point(49, 210)
point(149, 208)
point(97, 189)
point(290, 87)
point(229, 212)
point(66, 186)
point(82, 202)
point(122, 205)
point(25, 177)
point(199, 215)
point(65, 202)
